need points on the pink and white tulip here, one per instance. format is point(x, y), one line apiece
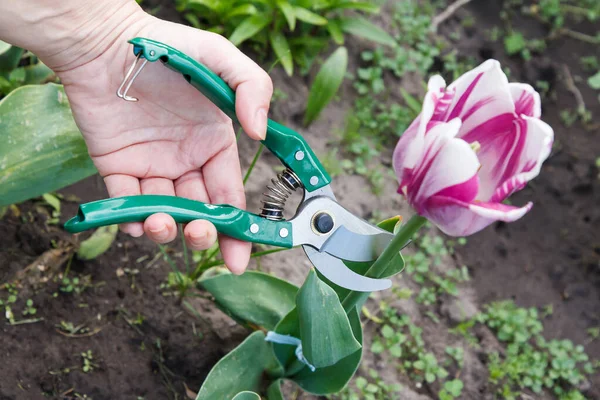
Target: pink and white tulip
point(475, 143)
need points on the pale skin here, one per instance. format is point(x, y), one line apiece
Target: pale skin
point(173, 141)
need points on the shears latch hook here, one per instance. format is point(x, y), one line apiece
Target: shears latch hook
point(127, 85)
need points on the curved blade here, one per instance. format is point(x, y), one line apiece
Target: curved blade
point(351, 246)
point(337, 272)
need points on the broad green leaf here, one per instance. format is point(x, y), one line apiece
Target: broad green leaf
point(249, 27)
point(246, 395)
point(309, 17)
point(411, 102)
point(274, 391)
point(240, 370)
point(42, 150)
point(37, 73)
point(288, 12)
point(324, 327)
point(366, 29)
point(98, 243)
point(9, 60)
point(282, 51)
point(4, 47)
point(335, 30)
point(322, 381)
point(594, 81)
point(244, 9)
point(326, 84)
point(253, 298)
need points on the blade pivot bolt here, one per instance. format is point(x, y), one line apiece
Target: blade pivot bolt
point(314, 180)
point(323, 222)
point(283, 232)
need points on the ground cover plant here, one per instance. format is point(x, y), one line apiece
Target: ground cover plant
point(159, 300)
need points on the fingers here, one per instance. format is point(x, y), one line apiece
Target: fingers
point(161, 227)
point(252, 84)
point(125, 185)
point(223, 180)
point(199, 234)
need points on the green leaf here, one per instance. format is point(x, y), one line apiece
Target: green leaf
point(326, 84)
point(42, 148)
point(37, 73)
point(594, 81)
point(9, 60)
point(366, 29)
point(98, 243)
point(274, 391)
point(282, 51)
point(288, 12)
point(309, 17)
point(240, 370)
point(271, 298)
point(244, 9)
point(249, 27)
point(514, 43)
point(210, 4)
point(335, 30)
point(322, 381)
point(4, 47)
point(358, 5)
point(246, 395)
point(324, 327)
point(52, 201)
point(411, 101)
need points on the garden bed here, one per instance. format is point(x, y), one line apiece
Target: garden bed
point(146, 343)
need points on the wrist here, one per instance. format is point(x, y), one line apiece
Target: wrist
point(68, 34)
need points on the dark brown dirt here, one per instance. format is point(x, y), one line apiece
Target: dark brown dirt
point(149, 357)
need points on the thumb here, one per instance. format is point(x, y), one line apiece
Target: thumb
point(251, 83)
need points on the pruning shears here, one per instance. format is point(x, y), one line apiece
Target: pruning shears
point(327, 231)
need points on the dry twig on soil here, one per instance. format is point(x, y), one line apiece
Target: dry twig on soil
point(447, 13)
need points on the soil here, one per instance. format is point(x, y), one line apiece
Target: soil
point(148, 344)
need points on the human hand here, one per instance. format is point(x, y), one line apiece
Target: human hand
point(173, 141)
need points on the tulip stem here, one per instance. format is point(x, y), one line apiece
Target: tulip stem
point(380, 265)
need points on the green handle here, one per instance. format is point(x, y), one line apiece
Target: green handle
point(228, 220)
point(285, 143)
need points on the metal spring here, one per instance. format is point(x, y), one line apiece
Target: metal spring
point(274, 200)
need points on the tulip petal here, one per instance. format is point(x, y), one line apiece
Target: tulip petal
point(479, 95)
point(527, 100)
point(539, 137)
point(458, 218)
point(452, 161)
point(410, 147)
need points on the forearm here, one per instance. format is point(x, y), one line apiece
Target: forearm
point(67, 33)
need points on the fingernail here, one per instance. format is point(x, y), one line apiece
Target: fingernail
point(260, 123)
point(160, 233)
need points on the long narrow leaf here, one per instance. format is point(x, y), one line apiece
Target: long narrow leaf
point(42, 149)
point(288, 12)
point(326, 84)
point(335, 30)
point(248, 28)
point(282, 51)
point(309, 17)
point(245, 9)
point(366, 29)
